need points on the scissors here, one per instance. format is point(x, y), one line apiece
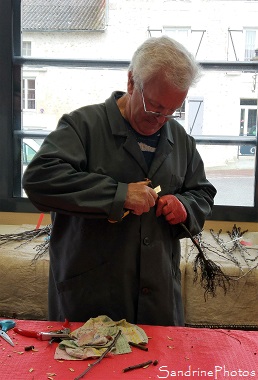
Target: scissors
point(49, 335)
point(6, 324)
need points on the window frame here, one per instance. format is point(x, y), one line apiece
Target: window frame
point(11, 63)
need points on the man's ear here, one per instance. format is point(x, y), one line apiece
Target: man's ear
point(130, 83)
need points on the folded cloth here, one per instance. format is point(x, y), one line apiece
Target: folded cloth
point(96, 335)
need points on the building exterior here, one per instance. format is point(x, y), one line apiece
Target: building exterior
point(223, 102)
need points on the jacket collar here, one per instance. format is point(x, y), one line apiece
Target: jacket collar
point(119, 128)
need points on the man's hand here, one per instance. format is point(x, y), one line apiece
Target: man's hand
point(140, 197)
point(173, 210)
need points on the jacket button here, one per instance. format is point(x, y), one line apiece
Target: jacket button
point(146, 241)
point(145, 290)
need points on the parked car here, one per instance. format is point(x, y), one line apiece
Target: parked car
point(29, 149)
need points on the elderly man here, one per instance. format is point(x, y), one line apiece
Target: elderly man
point(96, 167)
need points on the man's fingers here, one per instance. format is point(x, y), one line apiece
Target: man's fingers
point(172, 209)
point(161, 203)
point(140, 197)
point(145, 182)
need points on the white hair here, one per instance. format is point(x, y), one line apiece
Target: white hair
point(163, 54)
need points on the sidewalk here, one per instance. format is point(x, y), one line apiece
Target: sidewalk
point(244, 166)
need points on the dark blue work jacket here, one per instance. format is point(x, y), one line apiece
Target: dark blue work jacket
point(128, 269)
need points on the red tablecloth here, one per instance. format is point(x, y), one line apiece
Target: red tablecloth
point(182, 353)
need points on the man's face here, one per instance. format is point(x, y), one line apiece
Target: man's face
point(157, 97)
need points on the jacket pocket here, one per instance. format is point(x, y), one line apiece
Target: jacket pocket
point(87, 294)
point(173, 186)
point(176, 183)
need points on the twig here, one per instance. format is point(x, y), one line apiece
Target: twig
point(231, 336)
point(228, 251)
point(25, 236)
point(138, 345)
point(101, 357)
point(245, 274)
point(211, 274)
point(235, 234)
point(41, 250)
point(141, 365)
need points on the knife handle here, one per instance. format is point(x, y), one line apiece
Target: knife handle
point(28, 333)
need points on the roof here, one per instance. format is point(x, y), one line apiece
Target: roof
point(63, 15)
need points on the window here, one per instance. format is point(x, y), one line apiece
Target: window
point(77, 60)
point(179, 34)
point(242, 43)
point(190, 38)
point(195, 116)
point(26, 48)
point(28, 94)
point(251, 43)
point(248, 126)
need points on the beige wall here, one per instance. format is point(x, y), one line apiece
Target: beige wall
point(13, 218)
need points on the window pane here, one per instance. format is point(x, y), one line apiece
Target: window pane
point(26, 48)
point(31, 104)
point(179, 34)
point(56, 96)
point(232, 175)
point(250, 38)
point(251, 127)
point(248, 117)
point(230, 168)
point(29, 148)
point(206, 112)
point(224, 103)
point(28, 94)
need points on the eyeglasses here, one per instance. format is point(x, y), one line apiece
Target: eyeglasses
point(158, 114)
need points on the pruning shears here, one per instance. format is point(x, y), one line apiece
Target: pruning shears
point(42, 335)
point(6, 324)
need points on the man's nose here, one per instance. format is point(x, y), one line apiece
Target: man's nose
point(160, 118)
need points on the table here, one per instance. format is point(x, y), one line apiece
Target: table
point(182, 353)
point(238, 308)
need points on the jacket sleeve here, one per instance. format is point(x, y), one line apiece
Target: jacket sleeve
point(57, 178)
point(197, 193)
